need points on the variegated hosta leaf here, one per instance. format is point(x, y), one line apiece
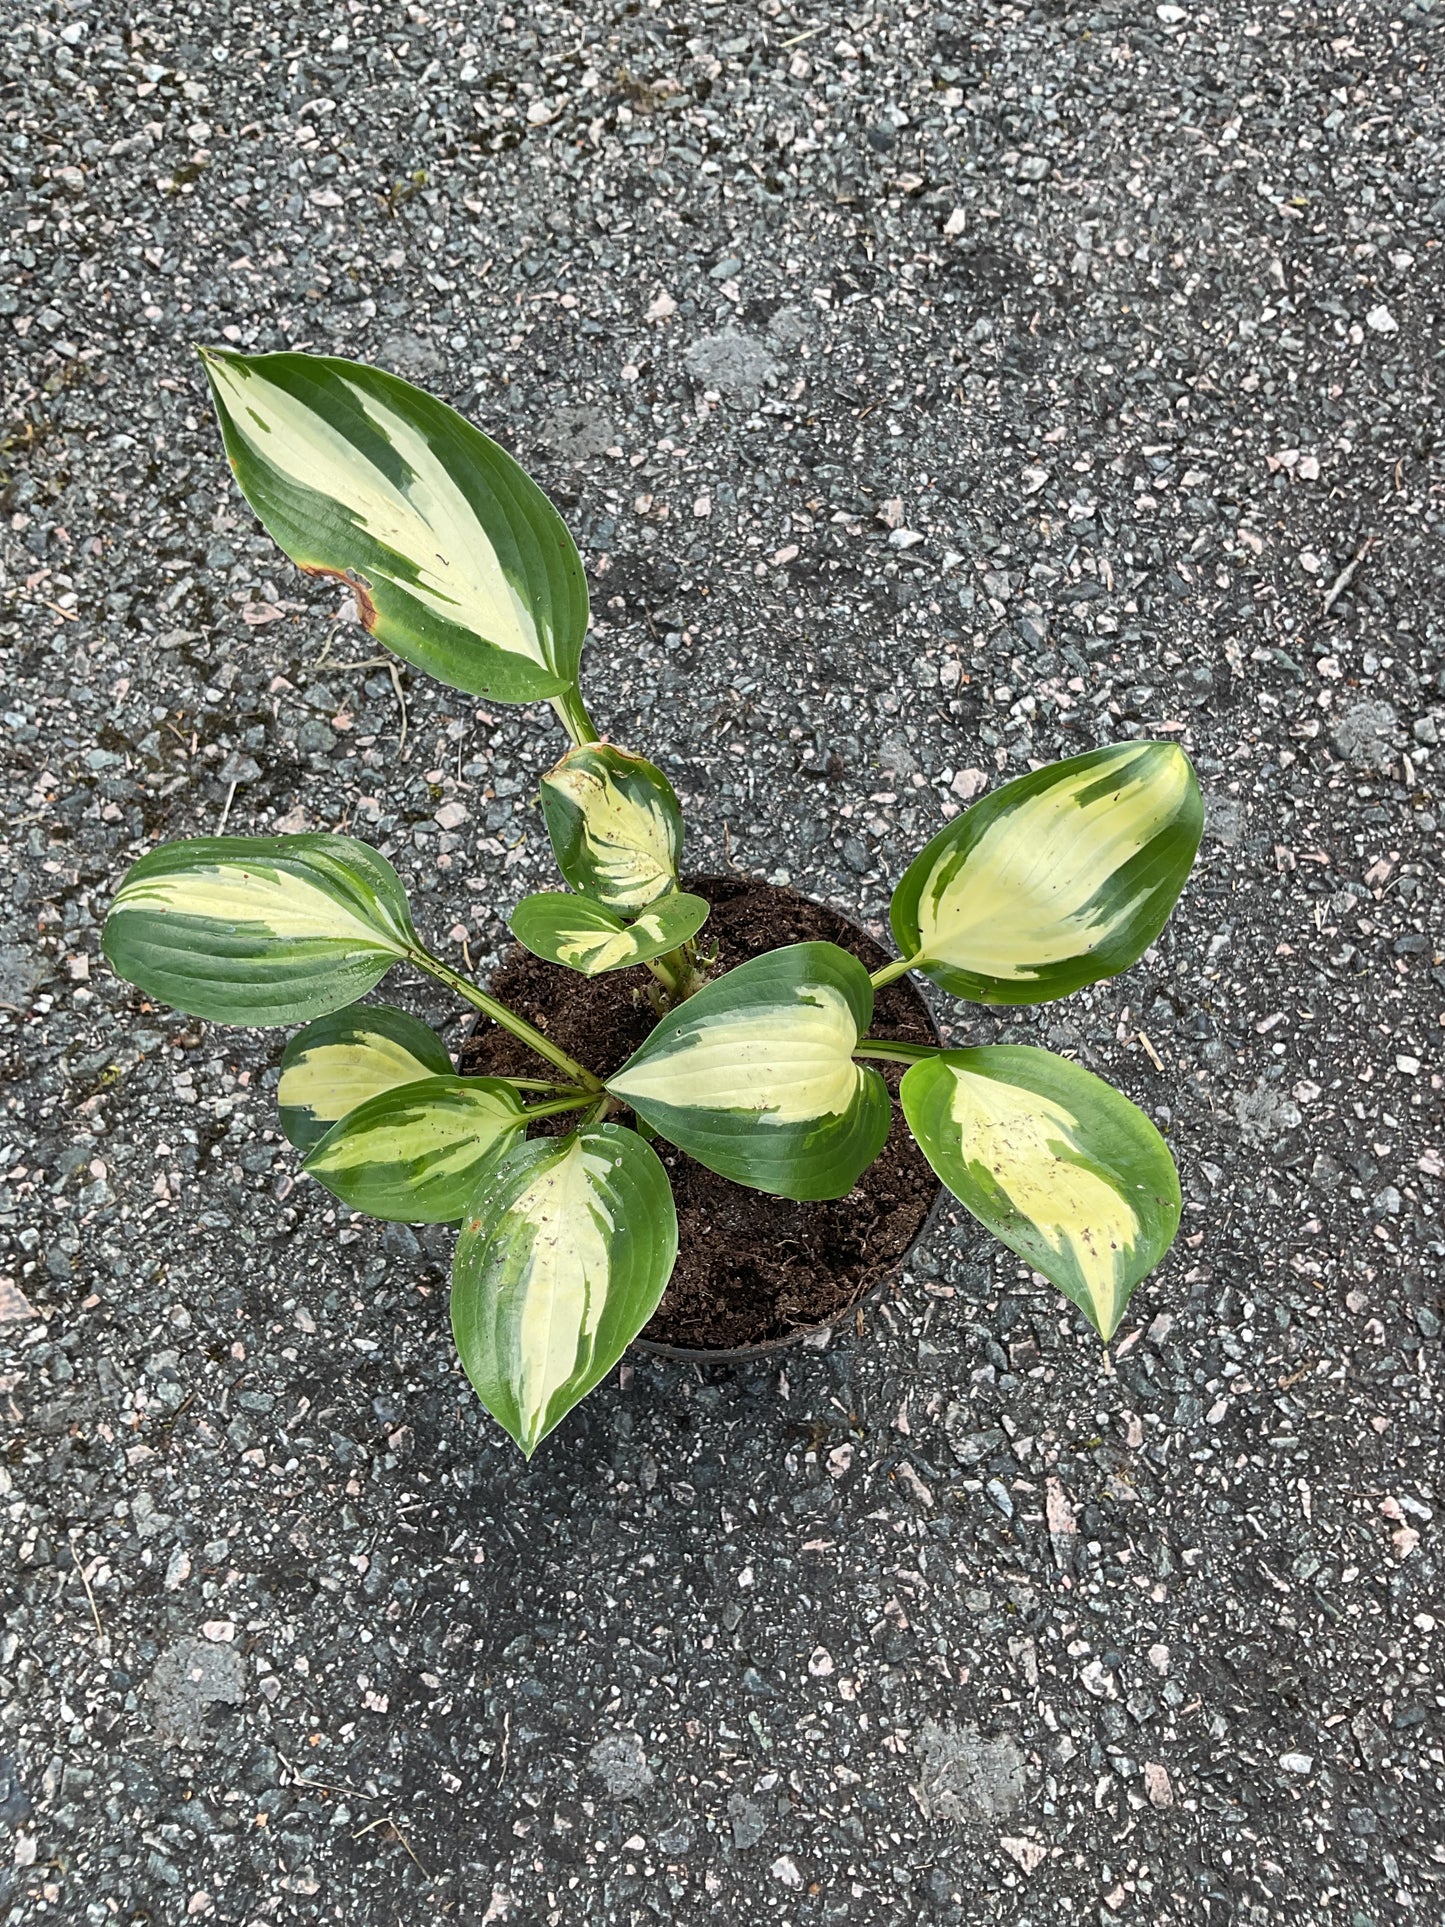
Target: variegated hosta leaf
point(340, 1061)
point(615, 826)
point(1061, 877)
point(459, 562)
point(587, 936)
point(259, 929)
point(414, 1153)
point(754, 1076)
point(1055, 1162)
point(567, 1247)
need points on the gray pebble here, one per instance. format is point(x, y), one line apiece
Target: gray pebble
point(737, 366)
point(620, 1761)
point(189, 1682)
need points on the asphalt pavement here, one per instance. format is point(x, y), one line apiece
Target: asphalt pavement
point(930, 395)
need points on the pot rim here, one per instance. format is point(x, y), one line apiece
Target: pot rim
point(740, 1354)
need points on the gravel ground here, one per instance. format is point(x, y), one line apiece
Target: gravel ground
point(929, 394)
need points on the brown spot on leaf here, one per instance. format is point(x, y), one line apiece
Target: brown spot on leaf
point(361, 589)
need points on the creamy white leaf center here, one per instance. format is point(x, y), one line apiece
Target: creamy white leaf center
point(785, 1063)
point(1024, 896)
point(424, 517)
point(1024, 1141)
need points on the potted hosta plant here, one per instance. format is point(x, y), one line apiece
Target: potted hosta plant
point(662, 1044)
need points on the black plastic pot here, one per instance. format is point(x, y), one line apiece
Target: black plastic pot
point(738, 1354)
point(764, 1347)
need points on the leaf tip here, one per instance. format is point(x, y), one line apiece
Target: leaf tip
point(1173, 757)
point(524, 1443)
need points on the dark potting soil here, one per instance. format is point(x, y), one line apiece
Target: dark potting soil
point(750, 1267)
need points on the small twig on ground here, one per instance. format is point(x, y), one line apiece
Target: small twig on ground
point(1346, 576)
point(89, 1595)
point(1154, 1058)
point(167, 1426)
point(388, 663)
point(506, 1742)
point(407, 1844)
point(391, 670)
point(322, 1786)
point(225, 813)
point(390, 1820)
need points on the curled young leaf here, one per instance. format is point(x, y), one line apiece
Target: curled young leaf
point(414, 1153)
point(566, 1250)
point(259, 929)
point(459, 562)
point(1059, 878)
point(1055, 1162)
point(586, 936)
point(341, 1060)
point(755, 1077)
point(615, 825)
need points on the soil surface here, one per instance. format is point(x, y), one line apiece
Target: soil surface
point(750, 1267)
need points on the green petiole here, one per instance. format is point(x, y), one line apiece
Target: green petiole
point(893, 1053)
point(528, 1034)
point(555, 1106)
point(891, 972)
point(572, 714)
